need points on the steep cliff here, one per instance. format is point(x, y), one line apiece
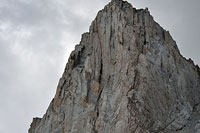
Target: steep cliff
point(126, 76)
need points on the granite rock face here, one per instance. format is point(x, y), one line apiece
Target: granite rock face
point(126, 76)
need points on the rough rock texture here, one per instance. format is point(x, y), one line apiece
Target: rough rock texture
point(126, 76)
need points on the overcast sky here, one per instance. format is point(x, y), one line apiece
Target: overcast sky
point(37, 36)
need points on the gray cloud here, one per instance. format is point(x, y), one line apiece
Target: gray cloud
point(37, 36)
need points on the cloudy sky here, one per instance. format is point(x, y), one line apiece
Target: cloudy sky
point(37, 36)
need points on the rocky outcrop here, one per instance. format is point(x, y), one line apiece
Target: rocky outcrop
point(34, 124)
point(126, 76)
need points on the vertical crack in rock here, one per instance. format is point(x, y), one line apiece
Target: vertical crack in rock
point(126, 76)
point(96, 109)
point(97, 103)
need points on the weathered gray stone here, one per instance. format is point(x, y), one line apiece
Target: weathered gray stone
point(126, 76)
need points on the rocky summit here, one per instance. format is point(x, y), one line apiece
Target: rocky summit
point(126, 76)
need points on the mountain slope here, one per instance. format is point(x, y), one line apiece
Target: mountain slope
point(126, 75)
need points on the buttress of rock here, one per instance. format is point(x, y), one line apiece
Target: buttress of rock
point(126, 76)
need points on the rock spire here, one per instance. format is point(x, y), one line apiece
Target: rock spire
point(126, 76)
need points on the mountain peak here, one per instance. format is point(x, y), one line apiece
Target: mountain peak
point(126, 75)
point(117, 1)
